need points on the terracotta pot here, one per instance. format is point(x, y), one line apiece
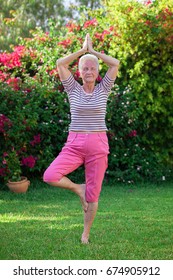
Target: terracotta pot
point(20, 186)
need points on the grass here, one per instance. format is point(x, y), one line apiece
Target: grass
point(132, 223)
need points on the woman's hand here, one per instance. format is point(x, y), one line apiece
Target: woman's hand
point(89, 42)
point(85, 44)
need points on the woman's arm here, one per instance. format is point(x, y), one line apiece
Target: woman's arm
point(112, 63)
point(63, 63)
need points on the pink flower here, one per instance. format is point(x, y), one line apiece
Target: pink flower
point(72, 26)
point(92, 22)
point(11, 60)
point(148, 2)
point(13, 82)
point(3, 76)
point(36, 140)
point(54, 72)
point(101, 36)
point(111, 28)
point(65, 43)
point(29, 161)
point(2, 172)
point(77, 74)
point(4, 122)
point(133, 133)
point(99, 78)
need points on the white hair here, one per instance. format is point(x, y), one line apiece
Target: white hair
point(88, 57)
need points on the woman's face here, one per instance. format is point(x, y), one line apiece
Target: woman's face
point(89, 72)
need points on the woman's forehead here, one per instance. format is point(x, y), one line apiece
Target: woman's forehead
point(89, 63)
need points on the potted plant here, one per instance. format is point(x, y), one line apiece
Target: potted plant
point(15, 181)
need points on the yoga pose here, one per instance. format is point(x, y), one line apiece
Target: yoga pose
point(87, 141)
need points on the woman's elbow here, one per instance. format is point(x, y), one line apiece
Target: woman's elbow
point(59, 62)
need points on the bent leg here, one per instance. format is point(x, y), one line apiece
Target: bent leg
point(55, 175)
point(78, 189)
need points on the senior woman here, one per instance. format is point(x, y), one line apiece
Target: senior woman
point(87, 141)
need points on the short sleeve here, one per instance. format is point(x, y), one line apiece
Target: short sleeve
point(69, 84)
point(107, 83)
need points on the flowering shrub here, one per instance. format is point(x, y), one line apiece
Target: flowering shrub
point(130, 159)
point(11, 166)
point(34, 107)
point(144, 47)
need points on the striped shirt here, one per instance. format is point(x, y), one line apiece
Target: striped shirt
point(88, 111)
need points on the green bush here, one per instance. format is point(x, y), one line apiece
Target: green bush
point(143, 43)
point(35, 110)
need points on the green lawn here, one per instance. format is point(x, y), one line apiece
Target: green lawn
point(132, 223)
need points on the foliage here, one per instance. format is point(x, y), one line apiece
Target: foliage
point(130, 158)
point(18, 18)
point(92, 4)
point(11, 166)
point(35, 110)
point(143, 43)
point(31, 127)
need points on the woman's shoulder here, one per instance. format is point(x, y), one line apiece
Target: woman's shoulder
point(71, 84)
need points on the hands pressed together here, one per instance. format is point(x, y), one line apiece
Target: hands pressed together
point(87, 45)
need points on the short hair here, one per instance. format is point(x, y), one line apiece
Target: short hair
point(88, 57)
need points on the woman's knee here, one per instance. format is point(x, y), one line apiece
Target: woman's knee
point(51, 176)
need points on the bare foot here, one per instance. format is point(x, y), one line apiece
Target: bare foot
point(82, 198)
point(84, 239)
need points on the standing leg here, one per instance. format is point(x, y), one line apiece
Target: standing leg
point(95, 171)
point(89, 216)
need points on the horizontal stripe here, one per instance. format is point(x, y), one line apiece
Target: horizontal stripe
point(88, 111)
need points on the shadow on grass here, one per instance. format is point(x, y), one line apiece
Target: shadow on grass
point(46, 223)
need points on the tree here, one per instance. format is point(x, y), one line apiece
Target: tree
point(17, 18)
point(92, 4)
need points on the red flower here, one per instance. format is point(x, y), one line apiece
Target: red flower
point(99, 78)
point(133, 133)
point(14, 83)
point(101, 36)
point(5, 154)
point(92, 22)
point(65, 43)
point(3, 76)
point(148, 22)
point(2, 172)
point(54, 72)
point(148, 2)
point(36, 140)
point(4, 121)
point(11, 60)
point(77, 74)
point(29, 161)
point(72, 26)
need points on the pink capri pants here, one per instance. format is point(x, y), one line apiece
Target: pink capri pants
point(90, 149)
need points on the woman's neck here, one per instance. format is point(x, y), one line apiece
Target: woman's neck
point(88, 87)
